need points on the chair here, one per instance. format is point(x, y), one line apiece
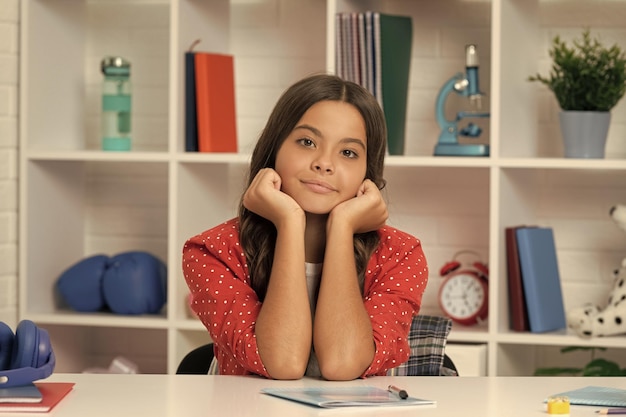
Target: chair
point(448, 364)
point(427, 340)
point(198, 361)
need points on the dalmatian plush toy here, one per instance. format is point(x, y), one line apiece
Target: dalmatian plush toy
point(618, 214)
point(590, 320)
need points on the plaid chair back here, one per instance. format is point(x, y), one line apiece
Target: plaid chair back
point(427, 341)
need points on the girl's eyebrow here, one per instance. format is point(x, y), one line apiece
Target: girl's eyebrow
point(317, 132)
point(356, 141)
point(314, 130)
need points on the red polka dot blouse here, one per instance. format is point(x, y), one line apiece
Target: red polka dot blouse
point(217, 275)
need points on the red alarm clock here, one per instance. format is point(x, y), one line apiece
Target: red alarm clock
point(464, 293)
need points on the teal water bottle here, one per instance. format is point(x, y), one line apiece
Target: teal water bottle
point(116, 104)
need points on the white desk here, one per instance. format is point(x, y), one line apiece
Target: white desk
point(225, 396)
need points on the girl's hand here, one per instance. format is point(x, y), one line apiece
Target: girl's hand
point(265, 198)
point(365, 212)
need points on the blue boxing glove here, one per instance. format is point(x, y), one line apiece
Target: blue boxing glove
point(135, 283)
point(80, 285)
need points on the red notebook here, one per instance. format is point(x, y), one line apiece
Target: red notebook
point(52, 392)
point(215, 102)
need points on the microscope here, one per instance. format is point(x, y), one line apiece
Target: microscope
point(465, 86)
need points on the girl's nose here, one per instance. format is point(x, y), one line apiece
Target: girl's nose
point(323, 165)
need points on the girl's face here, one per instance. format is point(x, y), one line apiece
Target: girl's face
point(323, 161)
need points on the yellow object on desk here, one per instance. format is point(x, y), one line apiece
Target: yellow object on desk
point(558, 405)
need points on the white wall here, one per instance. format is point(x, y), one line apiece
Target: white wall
point(9, 21)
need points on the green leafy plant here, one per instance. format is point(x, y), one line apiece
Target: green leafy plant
point(596, 367)
point(586, 76)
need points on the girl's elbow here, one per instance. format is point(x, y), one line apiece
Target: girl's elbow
point(287, 373)
point(287, 369)
point(341, 370)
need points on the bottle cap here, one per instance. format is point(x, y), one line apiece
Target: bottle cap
point(115, 65)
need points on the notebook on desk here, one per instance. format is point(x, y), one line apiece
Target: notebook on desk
point(333, 397)
point(28, 393)
point(598, 396)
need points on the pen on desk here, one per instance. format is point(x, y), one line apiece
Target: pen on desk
point(612, 411)
point(398, 391)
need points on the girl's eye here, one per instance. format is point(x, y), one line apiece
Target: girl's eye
point(350, 154)
point(306, 142)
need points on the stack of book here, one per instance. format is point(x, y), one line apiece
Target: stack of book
point(535, 297)
point(374, 50)
point(38, 397)
point(210, 112)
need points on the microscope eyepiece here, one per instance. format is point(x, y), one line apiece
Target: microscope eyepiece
point(471, 56)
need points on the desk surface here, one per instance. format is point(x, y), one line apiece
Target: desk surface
point(96, 395)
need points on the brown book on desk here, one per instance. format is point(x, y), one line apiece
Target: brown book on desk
point(215, 102)
point(52, 393)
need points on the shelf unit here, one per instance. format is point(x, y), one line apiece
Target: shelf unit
point(77, 200)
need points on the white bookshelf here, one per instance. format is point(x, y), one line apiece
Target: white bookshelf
point(76, 200)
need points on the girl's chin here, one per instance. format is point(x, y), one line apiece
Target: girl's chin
point(317, 207)
point(317, 210)
point(310, 214)
point(313, 211)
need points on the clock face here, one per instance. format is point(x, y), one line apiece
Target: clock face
point(463, 296)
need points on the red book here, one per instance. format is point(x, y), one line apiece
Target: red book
point(517, 302)
point(52, 392)
point(215, 102)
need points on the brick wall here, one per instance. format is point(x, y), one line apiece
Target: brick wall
point(270, 31)
point(9, 28)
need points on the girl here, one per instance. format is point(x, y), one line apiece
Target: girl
point(308, 280)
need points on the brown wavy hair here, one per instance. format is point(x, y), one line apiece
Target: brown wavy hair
point(257, 234)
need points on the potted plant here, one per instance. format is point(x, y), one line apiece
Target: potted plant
point(588, 80)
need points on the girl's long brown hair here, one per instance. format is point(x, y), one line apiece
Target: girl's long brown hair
point(257, 234)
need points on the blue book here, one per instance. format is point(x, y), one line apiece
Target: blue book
point(541, 279)
point(28, 393)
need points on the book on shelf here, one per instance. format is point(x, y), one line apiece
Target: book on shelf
point(215, 102)
point(362, 55)
point(335, 397)
point(210, 100)
point(396, 35)
point(541, 279)
point(370, 61)
point(374, 50)
point(518, 315)
point(191, 120)
point(52, 393)
point(28, 393)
